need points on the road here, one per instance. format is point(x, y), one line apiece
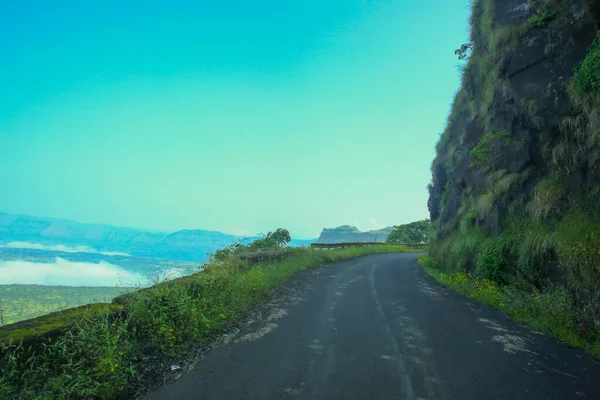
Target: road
point(378, 327)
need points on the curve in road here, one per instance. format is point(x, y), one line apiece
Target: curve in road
point(378, 327)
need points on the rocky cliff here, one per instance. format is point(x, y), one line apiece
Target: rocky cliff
point(514, 194)
point(350, 234)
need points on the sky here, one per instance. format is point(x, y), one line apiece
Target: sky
point(226, 115)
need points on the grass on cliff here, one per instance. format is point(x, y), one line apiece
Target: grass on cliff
point(111, 356)
point(551, 311)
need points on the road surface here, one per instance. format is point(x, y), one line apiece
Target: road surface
point(378, 327)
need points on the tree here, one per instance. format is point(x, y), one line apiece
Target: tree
point(271, 242)
point(415, 232)
point(280, 236)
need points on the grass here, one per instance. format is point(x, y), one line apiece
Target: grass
point(546, 194)
point(110, 355)
point(586, 79)
point(551, 311)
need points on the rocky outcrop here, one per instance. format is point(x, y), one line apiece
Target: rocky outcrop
point(521, 146)
point(350, 234)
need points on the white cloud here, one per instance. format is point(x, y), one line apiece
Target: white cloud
point(60, 247)
point(238, 231)
point(69, 273)
point(374, 224)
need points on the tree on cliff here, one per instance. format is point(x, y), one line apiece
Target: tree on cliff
point(415, 232)
point(271, 242)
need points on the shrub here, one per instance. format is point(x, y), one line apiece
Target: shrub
point(491, 262)
point(578, 235)
point(586, 78)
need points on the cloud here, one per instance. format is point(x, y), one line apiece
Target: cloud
point(63, 248)
point(374, 224)
point(238, 232)
point(69, 273)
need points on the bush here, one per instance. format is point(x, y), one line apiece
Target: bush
point(491, 263)
point(586, 79)
point(578, 235)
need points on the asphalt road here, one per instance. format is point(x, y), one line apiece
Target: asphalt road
point(378, 327)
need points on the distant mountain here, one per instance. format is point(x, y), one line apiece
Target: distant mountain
point(184, 245)
point(348, 234)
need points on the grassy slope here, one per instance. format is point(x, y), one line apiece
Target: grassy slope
point(551, 312)
point(102, 357)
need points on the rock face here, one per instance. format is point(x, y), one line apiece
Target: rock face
point(517, 165)
point(350, 234)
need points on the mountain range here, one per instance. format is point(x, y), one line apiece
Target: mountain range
point(184, 245)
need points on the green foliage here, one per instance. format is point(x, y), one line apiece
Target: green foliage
point(501, 182)
point(483, 149)
point(280, 236)
point(546, 195)
point(483, 204)
point(530, 242)
point(491, 262)
point(3, 320)
point(273, 241)
point(105, 355)
point(458, 250)
point(92, 360)
point(445, 195)
point(542, 18)
point(414, 232)
point(586, 79)
point(578, 236)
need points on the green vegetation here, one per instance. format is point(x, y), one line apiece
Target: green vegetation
point(586, 79)
point(551, 311)
point(273, 241)
point(108, 354)
point(445, 195)
point(20, 302)
point(542, 18)
point(414, 232)
point(481, 152)
point(533, 228)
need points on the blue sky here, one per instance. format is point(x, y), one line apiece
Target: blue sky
point(226, 115)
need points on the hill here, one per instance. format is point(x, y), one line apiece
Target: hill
point(348, 234)
point(51, 234)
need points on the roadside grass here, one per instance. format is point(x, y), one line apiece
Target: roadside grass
point(119, 355)
point(551, 311)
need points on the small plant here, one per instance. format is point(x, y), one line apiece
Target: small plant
point(445, 195)
point(464, 51)
point(542, 18)
point(546, 195)
point(586, 79)
point(578, 235)
point(490, 262)
point(482, 150)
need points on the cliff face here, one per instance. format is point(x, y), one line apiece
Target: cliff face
point(514, 191)
point(350, 234)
